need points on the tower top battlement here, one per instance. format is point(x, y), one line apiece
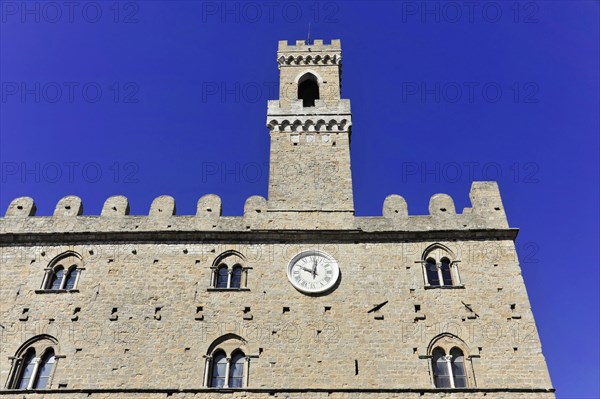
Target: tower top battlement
point(316, 45)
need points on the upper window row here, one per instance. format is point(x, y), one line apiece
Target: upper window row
point(230, 271)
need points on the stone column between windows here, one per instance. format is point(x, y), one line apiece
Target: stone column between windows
point(438, 266)
point(226, 383)
point(448, 360)
point(34, 372)
point(64, 279)
point(229, 273)
point(206, 370)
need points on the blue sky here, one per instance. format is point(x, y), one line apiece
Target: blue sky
point(155, 97)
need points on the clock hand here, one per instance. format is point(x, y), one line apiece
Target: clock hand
point(314, 269)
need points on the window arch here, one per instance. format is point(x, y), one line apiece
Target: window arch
point(34, 363)
point(227, 363)
point(308, 89)
point(62, 273)
point(439, 270)
point(229, 271)
point(448, 368)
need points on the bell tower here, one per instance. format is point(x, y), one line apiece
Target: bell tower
point(310, 128)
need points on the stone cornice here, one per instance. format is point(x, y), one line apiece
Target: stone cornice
point(258, 236)
point(278, 390)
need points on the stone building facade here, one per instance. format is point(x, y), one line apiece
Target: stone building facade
point(297, 298)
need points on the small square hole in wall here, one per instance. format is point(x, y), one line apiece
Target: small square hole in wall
point(327, 309)
point(62, 386)
point(412, 290)
point(513, 306)
point(495, 265)
point(414, 350)
point(515, 348)
point(499, 289)
point(417, 308)
point(286, 309)
point(247, 309)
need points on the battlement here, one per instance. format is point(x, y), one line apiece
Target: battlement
point(315, 46)
point(316, 54)
point(486, 212)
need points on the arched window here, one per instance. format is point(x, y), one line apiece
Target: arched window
point(448, 362)
point(308, 90)
point(63, 272)
point(441, 373)
point(26, 374)
point(227, 363)
point(432, 272)
point(222, 276)
point(236, 370)
point(438, 268)
point(58, 275)
point(219, 370)
point(29, 371)
point(458, 368)
point(44, 370)
point(71, 279)
point(236, 276)
point(231, 278)
point(446, 272)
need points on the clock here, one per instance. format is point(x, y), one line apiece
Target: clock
point(313, 272)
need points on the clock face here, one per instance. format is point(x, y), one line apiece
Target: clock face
point(313, 272)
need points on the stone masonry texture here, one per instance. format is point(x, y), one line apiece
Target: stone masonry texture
point(144, 314)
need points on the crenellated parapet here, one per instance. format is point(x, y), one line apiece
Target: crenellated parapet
point(486, 213)
point(315, 53)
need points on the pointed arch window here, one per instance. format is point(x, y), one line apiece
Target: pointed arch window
point(62, 273)
point(226, 277)
point(439, 270)
point(448, 363)
point(33, 365)
point(227, 363)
